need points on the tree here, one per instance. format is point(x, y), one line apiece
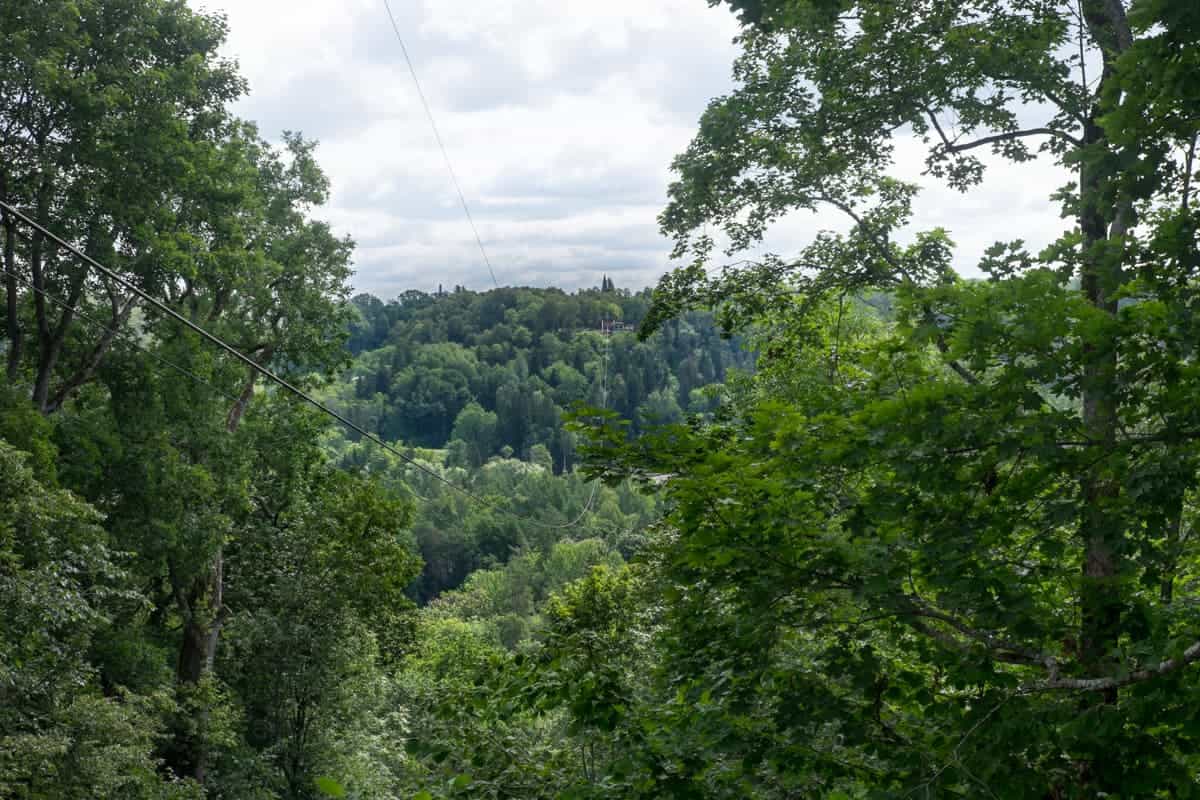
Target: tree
point(540, 455)
point(527, 355)
point(660, 408)
point(176, 484)
point(115, 135)
point(468, 740)
point(60, 586)
point(105, 107)
point(323, 565)
point(918, 515)
point(477, 430)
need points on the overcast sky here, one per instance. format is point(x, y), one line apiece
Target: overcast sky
point(561, 118)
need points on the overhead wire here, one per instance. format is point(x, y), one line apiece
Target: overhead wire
point(249, 362)
point(267, 373)
point(125, 335)
point(587, 507)
point(412, 70)
point(437, 135)
point(280, 381)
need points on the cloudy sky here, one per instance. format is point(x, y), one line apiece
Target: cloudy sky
point(561, 118)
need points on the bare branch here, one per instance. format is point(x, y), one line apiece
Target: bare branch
point(937, 126)
point(952, 146)
point(121, 309)
point(1190, 656)
point(1011, 135)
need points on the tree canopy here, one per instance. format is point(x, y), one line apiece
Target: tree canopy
point(866, 520)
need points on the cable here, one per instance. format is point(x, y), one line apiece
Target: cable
point(273, 377)
point(63, 304)
point(213, 339)
point(587, 507)
point(249, 362)
point(412, 70)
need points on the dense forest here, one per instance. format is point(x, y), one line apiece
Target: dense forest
point(490, 386)
point(496, 370)
point(845, 523)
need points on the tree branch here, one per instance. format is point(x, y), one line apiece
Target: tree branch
point(13, 325)
point(1190, 656)
point(1001, 649)
point(962, 371)
point(1188, 165)
point(1008, 136)
point(881, 243)
point(121, 309)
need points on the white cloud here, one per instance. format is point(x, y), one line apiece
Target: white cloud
point(561, 118)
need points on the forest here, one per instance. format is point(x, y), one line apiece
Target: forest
point(492, 387)
point(871, 519)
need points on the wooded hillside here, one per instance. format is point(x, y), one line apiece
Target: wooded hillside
point(870, 519)
point(498, 369)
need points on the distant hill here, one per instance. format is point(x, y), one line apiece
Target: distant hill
point(491, 373)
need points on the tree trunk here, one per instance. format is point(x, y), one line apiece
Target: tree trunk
point(204, 614)
point(202, 606)
point(50, 346)
point(1101, 525)
point(37, 247)
point(234, 418)
point(120, 315)
point(47, 352)
point(1100, 528)
point(11, 297)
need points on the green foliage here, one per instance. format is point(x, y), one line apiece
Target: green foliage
point(117, 137)
point(476, 429)
point(115, 132)
point(942, 552)
point(60, 587)
point(587, 649)
point(495, 375)
point(437, 367)
point(25, 429)
point(459, 724)
point(509, 598)
point(329, 787)
point(941, 542)
point(456, 536)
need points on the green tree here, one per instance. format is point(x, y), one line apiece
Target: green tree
point(323, 566)
point(527, 355)
point(477, 430)
point(660, 408)
point(115, 133)
point(104, 107)
point(60, 585)
point(949, 560)
point(468, 738)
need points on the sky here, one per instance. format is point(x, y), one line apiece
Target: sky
point(561, 118)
